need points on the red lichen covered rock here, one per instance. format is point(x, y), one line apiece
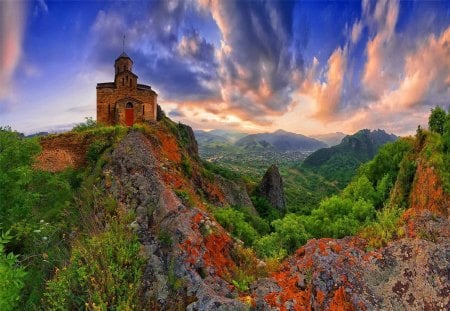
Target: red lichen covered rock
point(330, 274)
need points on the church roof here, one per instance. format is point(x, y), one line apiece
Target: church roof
point(123, 55)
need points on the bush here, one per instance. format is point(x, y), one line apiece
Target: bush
point(95, 150)
point(87, 125)
point(436, 120)
point(234, 222)
point(11, 276)
point(269, 247)
point(104, 272)
point(384, 228)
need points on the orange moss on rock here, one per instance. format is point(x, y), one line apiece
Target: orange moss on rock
point(340, 301)
point(298, 292)
point(169, 146)
point(211, 252)
point(428, 193)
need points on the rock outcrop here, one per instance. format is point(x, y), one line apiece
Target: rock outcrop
point(188, 254)
point(329, 274)
point(271, 188)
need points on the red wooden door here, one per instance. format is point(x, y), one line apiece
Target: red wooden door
point(129, 116)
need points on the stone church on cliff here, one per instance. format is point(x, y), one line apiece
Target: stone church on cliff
point(124, 101)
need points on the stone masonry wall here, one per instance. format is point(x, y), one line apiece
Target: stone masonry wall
point(110, 96)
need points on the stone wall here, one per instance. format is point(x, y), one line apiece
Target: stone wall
point(63, 151)
point(109, 110)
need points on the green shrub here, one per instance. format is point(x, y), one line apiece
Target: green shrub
point(269, 246)
point(186, 166)
point(104, 272)
point(234, 222)
point(87, 125)
point(436, 120)
point(384, 228)
point(291, 232)
point(185, 197)
point(11, 276)
point(95, 150)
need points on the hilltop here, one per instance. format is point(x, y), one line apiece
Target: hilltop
point(132, 218)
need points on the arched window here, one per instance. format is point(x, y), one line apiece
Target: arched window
point(109, 110)
point(143, 110)
point(129, 105)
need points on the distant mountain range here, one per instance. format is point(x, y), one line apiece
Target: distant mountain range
point(339, 163)
point(280, 141)
point(218, 136)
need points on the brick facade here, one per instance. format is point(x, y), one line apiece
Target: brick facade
point(124, 101)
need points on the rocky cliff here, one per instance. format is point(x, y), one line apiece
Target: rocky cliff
point(271, 188)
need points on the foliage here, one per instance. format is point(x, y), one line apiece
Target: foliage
point(436, 120)
point(87, 125)
point(11, 276)
point(95, 149)
point(185, 197)
point(264, 208)
point(269, 246)
point(221, 171)
point(104, 272)
point(16, 176)
point(186, 166)
point(291, 232)
point(38, 208)
point(384, 228)
point(234, 222)
point(260, 224)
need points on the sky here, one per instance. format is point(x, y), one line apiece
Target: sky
point(310, 67)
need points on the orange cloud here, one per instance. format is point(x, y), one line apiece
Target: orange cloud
point(327, 95)
point(12, 23)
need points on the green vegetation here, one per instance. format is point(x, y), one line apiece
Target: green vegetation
point(234, 222)
point(47, 220)
point(12, 276)
point(436, 122)
point(104, 272)
point(370, 205)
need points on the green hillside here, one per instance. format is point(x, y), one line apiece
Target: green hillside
point(338, 163)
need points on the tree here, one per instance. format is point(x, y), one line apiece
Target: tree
point(436, 120)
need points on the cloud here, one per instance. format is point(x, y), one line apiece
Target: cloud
point(12, 21)
point(356, 31)
point(257, 64)
point(383, 49)
point(327, 94)
point(426, 75)
point(176, 113)
point(193, 46)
